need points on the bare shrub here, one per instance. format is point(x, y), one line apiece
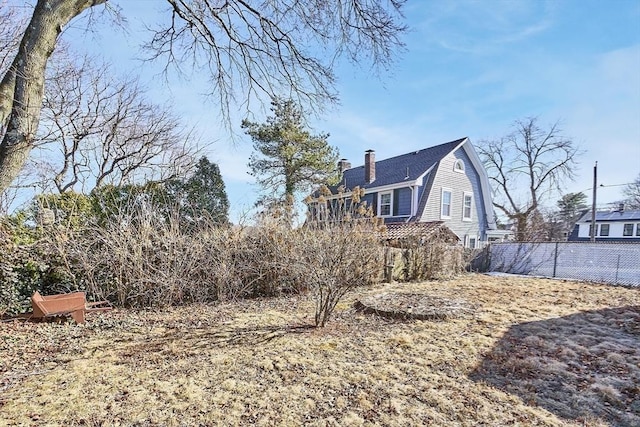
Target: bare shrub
point(141, 259)
point(264, 258)
point(430, 261)
point(335, 259)
point(144, 256)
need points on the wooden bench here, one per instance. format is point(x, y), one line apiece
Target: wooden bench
point(72, 304)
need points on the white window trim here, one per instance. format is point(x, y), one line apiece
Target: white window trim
point(442, 191)
point(633, 228)
point(467, 241)
point(459, 162)
point(470, 217)
point(390, 204)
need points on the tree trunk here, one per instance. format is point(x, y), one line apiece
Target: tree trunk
point(521, 227)
point(22, 87)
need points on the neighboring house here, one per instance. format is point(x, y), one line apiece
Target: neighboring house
point(611, 226)
point(446, 183)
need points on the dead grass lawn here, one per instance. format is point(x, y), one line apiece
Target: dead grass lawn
point(530, 352)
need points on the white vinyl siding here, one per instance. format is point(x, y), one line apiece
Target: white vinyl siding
point(447, 178)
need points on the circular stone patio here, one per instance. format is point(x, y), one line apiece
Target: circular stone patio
point(399, 305)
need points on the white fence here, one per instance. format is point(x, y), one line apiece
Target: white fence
point(616, 263)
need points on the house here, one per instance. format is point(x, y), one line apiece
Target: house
point(611, 226)
point(446, 183)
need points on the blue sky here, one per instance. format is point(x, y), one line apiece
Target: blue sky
point(471, 68)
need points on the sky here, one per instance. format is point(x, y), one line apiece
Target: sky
point(470, 68)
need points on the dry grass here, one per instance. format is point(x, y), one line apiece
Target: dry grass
point(534, 352)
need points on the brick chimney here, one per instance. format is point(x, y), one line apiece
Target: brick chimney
point(343, 165)
point(369, 166)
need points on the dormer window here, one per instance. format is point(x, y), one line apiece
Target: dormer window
point(385, 201)
point(458, 166)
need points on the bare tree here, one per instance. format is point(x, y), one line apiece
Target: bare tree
point(106, 131)
point(525, 166)
point(22, 86)
point(632, 193)
point(10, 33)
point(250, 49)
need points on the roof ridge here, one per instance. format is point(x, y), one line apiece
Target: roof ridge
point(456, 141)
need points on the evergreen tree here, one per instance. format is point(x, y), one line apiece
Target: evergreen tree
point(204, 193)
point(570, 207)
point(201, 196)
point(288, 159)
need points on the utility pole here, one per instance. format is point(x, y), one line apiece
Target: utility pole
point(593, 205)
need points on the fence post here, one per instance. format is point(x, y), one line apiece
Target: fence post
point(555, 260)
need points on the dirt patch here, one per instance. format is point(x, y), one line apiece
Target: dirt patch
point(404, 306)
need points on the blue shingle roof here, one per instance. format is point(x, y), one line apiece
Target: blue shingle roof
point(613, 216)
point(406, 167)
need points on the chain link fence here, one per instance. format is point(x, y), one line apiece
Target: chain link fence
point(615, 263)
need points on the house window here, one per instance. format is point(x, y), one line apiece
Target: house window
point(591, 230)
point(627, 230)
point(471, 241)
point(604, 230)
point(384, 204)
point(445, 211)
point(638, 229)
point(466, 207)
point(458, 166)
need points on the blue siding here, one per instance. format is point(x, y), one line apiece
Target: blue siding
point(404, 202)
point(371, 200)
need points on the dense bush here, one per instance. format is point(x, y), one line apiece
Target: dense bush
point(147, 261)
point(27, 267)
point(428, 261)
point(140, 256)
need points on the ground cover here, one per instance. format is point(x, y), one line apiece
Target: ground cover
point(523, 351)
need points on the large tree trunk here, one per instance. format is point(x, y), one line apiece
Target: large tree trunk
point(22, 87)
point(521, 227)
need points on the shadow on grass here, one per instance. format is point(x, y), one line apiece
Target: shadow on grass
point(187, 342)
point(582, 367)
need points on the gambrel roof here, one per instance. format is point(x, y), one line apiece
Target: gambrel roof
point(404, 168)
point(415, 169)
